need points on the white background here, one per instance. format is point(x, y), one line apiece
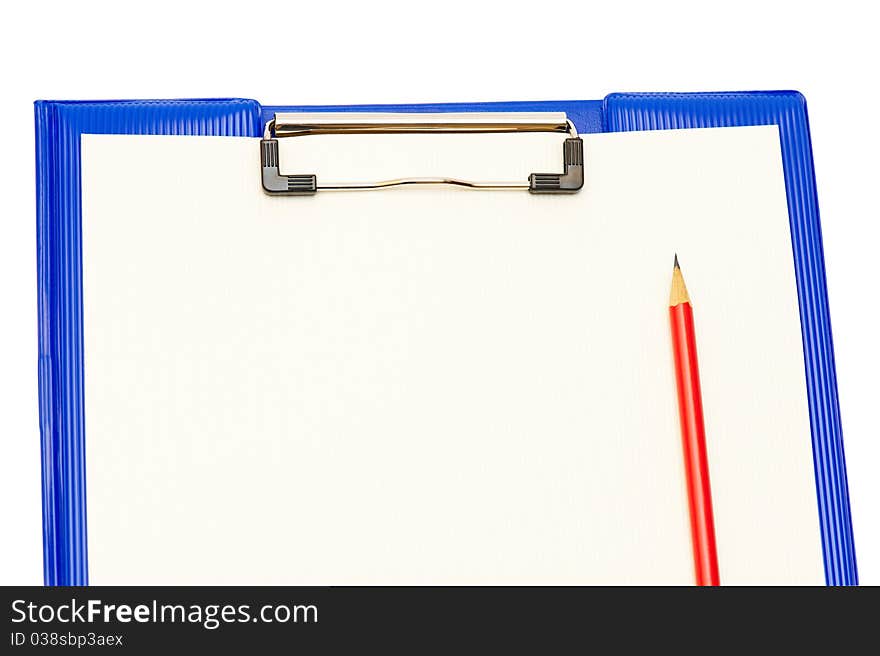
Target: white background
point(365, 52)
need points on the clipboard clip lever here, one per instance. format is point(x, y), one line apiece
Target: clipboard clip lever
point(274, 182)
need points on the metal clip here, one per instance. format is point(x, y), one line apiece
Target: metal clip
point(298, 125)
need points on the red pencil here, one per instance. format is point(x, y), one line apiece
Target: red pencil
point(693, 433)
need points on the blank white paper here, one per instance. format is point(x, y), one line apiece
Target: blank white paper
point(434, 385)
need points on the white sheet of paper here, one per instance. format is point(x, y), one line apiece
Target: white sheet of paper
point(438, 386)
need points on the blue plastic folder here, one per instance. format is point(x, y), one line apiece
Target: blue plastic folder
point(59, 125)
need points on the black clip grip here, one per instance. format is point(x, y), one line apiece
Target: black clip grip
point(285, 185)
point(572, 178)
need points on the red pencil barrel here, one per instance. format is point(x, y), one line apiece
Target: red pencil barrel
point(690, 408)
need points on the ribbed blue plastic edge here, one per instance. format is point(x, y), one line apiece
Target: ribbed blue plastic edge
point(59, 125)
point(787, 109)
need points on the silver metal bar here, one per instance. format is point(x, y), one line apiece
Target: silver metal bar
point(296, 125)
point(400, 182)
point(302, 124)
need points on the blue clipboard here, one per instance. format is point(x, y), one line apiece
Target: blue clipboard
point(59, 125)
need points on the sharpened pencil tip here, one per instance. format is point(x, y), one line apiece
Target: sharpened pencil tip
point(678, 294)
